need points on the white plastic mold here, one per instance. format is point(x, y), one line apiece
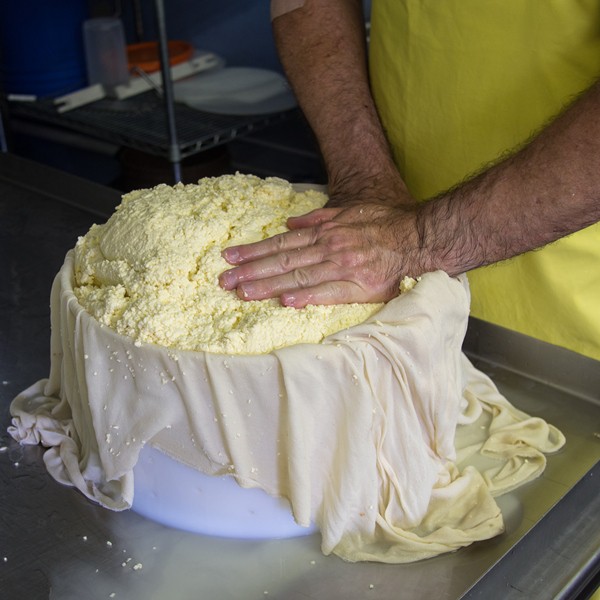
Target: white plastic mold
point(179, 496)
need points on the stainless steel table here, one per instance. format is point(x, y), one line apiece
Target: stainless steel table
point(56, 544)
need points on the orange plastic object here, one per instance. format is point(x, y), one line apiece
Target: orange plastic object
point(146, 54)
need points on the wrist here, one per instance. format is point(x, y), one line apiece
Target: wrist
point(444, 239)
point(371, 176)
point(360, 187)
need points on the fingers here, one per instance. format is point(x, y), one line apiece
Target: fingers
point(313, 218)
point(304, 234)
point(313, 280)
point(305, 230)
point(306, 278)
point(293, 292)
point(283, 242)
point(329, 256)
point(327, 293)
point(269, 266)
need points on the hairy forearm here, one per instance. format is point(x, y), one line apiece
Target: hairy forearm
point(547, 190)
point(322, 48)
point(360, 247)
point(360, 253)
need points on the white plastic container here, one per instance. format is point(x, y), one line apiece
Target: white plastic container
point(105, 51)
point(176, 495)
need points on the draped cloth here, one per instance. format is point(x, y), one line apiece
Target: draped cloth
point(384, 434)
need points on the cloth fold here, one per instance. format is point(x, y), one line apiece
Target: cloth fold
point(370, 434)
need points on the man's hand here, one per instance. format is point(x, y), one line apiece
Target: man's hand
point(330, 256)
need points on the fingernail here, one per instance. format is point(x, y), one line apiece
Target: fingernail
point(231, 255)
point(288, 300)
point(244, 291)
point(226, 280)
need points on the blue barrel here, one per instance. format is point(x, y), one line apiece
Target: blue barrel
point(41, 46)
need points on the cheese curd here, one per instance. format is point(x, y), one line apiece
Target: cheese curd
point(151, 271)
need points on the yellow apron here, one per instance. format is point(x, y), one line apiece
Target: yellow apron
point(460, 82)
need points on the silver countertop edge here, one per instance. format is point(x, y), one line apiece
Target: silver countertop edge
point(567, 370)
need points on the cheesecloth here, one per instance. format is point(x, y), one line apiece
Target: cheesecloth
point(360, 432)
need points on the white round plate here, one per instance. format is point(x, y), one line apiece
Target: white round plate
point(236, 91)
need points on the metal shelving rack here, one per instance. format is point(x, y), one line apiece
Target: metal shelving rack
point(140, 123)
point(148, 122)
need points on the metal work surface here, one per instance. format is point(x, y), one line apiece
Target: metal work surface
point(56, 544)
